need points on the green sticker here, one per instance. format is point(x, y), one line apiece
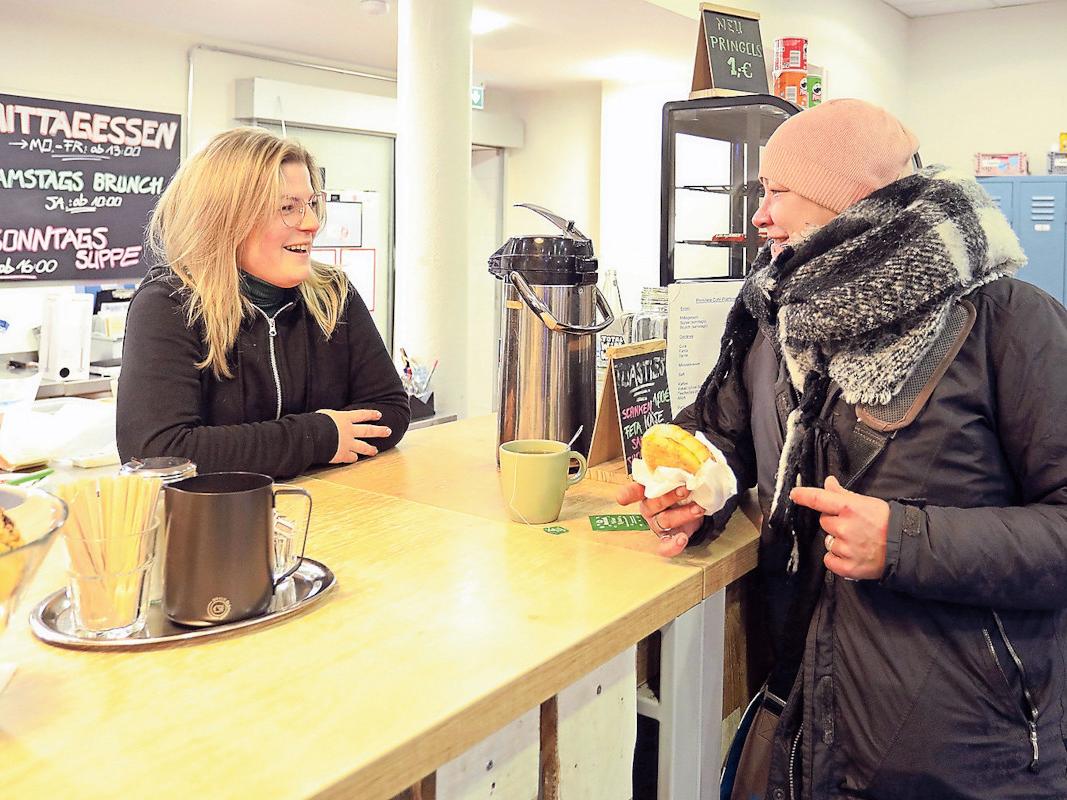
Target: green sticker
point(618, 522)
point(555, 530)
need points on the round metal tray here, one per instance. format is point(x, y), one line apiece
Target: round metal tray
point(52, 619)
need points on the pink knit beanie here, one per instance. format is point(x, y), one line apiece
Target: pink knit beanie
point(837, 153)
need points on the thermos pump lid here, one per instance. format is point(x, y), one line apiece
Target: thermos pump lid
point(565, 260)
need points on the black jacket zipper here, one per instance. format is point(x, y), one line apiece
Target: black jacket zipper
point(1031, 718)
point(272, 330)
point(792, 765)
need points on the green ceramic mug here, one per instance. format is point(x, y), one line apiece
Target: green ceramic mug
point(534, 474)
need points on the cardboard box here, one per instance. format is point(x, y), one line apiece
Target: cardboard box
point(990, 164)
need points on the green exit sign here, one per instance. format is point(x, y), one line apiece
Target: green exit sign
point(478, 97)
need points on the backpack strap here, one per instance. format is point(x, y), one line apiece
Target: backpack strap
point(875, 428)
point(876, 425)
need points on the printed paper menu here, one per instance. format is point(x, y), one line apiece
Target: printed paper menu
point(696, 319)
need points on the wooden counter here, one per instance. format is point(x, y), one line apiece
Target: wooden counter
point(448, 623)
point(443, 628)
point(454, 467)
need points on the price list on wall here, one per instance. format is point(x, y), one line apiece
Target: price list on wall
point(77, 185)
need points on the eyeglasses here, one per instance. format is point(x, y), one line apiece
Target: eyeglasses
point(293, 208)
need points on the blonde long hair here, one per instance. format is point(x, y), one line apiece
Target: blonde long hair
point(216, 200)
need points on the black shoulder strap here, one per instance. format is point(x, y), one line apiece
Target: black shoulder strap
point(875, 427)
point(877, 424)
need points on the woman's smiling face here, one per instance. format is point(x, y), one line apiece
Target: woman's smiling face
point(275, 252)
point(786, 216)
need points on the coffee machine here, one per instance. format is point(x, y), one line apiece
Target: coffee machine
point(547, 371)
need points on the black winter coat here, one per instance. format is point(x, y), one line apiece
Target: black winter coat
point(946, 679)
point(255, 421)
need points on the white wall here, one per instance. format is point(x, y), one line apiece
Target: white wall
point(72, 57)
point(558, 166)
point(77, 58)
point(863, 43)
point(485, 234)
point(989, 81)
point(630, 161)
point(592, 151)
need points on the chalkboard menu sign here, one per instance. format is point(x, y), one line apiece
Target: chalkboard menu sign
point(77, 183)
point(635, 398)
point(730, 56)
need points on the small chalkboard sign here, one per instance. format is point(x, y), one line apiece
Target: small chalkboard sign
point(729, 59)
point(635, 398)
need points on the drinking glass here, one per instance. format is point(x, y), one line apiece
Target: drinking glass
point(109, 596)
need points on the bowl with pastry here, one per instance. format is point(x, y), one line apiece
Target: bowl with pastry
point(29, 519)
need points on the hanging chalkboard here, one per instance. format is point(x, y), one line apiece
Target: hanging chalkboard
point(729, 58)
point(77, 183)
point(635, 398)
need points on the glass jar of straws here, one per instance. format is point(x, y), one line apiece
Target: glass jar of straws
point(111, 535)
point(168, 469)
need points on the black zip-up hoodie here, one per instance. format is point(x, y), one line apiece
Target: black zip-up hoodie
point(263, 419)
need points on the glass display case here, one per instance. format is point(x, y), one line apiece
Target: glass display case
point(710, 183)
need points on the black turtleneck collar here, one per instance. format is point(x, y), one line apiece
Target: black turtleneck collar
point(263, 295)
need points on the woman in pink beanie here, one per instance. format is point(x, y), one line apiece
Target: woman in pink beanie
point(896, 397)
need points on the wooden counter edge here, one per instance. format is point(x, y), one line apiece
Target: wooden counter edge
point(427, 750)
point(734, 552)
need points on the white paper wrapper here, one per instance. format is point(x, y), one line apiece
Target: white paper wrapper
point(713, 484)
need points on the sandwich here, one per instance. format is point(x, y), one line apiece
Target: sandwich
point(667, 445)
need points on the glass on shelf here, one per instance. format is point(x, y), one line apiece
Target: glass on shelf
point(651, 321)
point(612, 335)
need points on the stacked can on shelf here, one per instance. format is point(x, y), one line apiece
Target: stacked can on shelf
point(791, 53)
point(791, 69)
point(792, 81)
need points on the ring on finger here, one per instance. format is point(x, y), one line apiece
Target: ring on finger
point(829, 543)
point(663, 531)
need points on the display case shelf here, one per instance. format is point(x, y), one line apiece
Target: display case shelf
point(710, 243)
point(720, 189)
point(710, 181)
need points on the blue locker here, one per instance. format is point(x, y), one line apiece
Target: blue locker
point(1003, 194)
point(1036, 207)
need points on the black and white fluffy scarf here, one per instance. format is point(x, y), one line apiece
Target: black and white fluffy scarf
point(859, 302)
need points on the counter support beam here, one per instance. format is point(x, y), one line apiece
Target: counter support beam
point(689, 710)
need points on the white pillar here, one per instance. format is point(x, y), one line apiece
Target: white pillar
point(433, 159)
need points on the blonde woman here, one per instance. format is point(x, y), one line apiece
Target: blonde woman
point(241, 353)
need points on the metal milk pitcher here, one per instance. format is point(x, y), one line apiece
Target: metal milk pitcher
point(547, 370)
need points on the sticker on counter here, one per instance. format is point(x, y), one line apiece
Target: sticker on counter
point(555, 530)
point(618, 522)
